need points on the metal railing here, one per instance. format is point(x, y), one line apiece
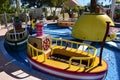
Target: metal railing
point(16, 36)
point(90, 50)
point(32, 51)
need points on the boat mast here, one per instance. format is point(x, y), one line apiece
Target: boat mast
point(14, 29)
point(103, 42)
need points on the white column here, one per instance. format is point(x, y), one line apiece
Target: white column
point(113, 8)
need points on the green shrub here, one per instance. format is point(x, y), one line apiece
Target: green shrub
point(9, 17)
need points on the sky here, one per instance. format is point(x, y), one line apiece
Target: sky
point(85, 2)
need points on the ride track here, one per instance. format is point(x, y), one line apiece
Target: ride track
point(110, 54)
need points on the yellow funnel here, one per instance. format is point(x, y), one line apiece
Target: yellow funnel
point(92, 27)
point(117, 1)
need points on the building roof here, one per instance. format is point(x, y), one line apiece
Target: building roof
point(72, 3)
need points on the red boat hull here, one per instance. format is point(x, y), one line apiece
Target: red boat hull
point(68, 74)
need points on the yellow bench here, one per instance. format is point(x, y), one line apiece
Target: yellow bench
point(70, 52)
point(86, 59)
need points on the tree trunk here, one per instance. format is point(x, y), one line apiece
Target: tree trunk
point(93, 6)
point(54, 14)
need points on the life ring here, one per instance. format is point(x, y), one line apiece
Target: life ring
point(46, 44)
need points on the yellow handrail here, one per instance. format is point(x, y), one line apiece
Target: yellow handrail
point(81, 59)
point(31, 53)
point(77, 44)
point(59, 42)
